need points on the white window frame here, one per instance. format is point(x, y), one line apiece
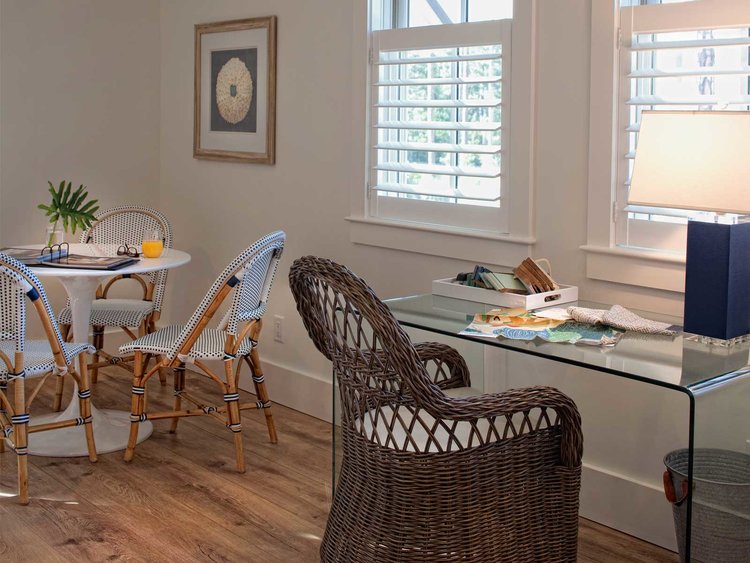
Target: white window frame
point(493, 220)
point(478, 245)
point(604, 260)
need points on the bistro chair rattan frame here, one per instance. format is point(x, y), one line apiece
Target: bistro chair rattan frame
point(248, 279)
point(21, 360)
point(123, 225)
point(427, 477)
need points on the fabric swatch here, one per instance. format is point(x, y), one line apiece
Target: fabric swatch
point(620, 317)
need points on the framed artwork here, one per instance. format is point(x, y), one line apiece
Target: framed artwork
point(235, 90)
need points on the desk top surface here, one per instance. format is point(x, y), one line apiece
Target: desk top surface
point(682, 362)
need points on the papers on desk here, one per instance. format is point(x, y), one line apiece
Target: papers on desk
point(551, 326)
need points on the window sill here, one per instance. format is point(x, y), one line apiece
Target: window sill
point(643, 268)
point(473, 246)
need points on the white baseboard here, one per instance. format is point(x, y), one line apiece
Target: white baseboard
point(305, 392)
point(625, 504)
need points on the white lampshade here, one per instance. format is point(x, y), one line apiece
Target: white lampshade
point(693, 160)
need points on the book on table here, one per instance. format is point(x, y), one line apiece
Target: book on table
point(91, 262)
point(58, 257)
point(35, 256)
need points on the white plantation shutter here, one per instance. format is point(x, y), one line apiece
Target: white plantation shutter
point(438, 145)
point(670, 61)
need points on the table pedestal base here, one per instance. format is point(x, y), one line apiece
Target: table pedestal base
point(111, 429)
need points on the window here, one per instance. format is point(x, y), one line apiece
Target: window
point(668, 65)
point(440, 128)
point(653, 54)
point(437, 131)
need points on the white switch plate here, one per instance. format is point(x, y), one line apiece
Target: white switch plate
point(278, 328)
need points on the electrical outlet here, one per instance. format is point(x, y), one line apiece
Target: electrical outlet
point(278, 328)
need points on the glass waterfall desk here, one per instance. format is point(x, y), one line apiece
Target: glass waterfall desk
point(714, 381)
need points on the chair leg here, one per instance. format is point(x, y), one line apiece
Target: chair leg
point(179, 387)
point(98, 344)
point(149, 326)
point(146, 361)
point(3, 390)
point(84, 403)
point(233, 417)
point(136, 405)
point(259, 381)
point(20, 435)
point(59, 388)
point(60, 383)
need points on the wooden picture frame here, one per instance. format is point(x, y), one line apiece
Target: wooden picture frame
point(235, 90)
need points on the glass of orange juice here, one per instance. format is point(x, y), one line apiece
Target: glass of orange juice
point(153, 243)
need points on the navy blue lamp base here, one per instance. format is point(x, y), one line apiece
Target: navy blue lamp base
point(717, 280)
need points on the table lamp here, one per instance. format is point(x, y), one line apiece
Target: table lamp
point(700, 160)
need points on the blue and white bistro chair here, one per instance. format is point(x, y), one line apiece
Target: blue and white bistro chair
point(246, 282)
point(22, 360)
point(135, 316)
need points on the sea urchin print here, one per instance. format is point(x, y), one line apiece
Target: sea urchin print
point(234, 90)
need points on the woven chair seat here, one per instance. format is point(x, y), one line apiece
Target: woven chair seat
point(209, 346)
point(114, 312)
point(37, 355)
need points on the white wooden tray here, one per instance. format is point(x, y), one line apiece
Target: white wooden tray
point(449, 287)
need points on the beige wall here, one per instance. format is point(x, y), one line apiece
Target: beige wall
point(80, 93)
point(218, 208)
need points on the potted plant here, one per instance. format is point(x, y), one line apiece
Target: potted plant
point(70, 207)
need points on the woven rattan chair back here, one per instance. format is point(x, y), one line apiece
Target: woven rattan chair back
point(125, 225)
point(12, 304)
point(373, 358)
point(250, 297)
point(428, 477)
point(18, 283)
point(248, 280)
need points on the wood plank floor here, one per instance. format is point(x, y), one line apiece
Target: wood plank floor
point(181, 499)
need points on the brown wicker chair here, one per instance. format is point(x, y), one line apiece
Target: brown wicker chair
point(428, 477)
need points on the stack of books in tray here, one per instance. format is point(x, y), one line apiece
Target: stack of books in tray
point(528, 287)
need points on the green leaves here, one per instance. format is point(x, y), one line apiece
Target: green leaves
point(68, 205)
